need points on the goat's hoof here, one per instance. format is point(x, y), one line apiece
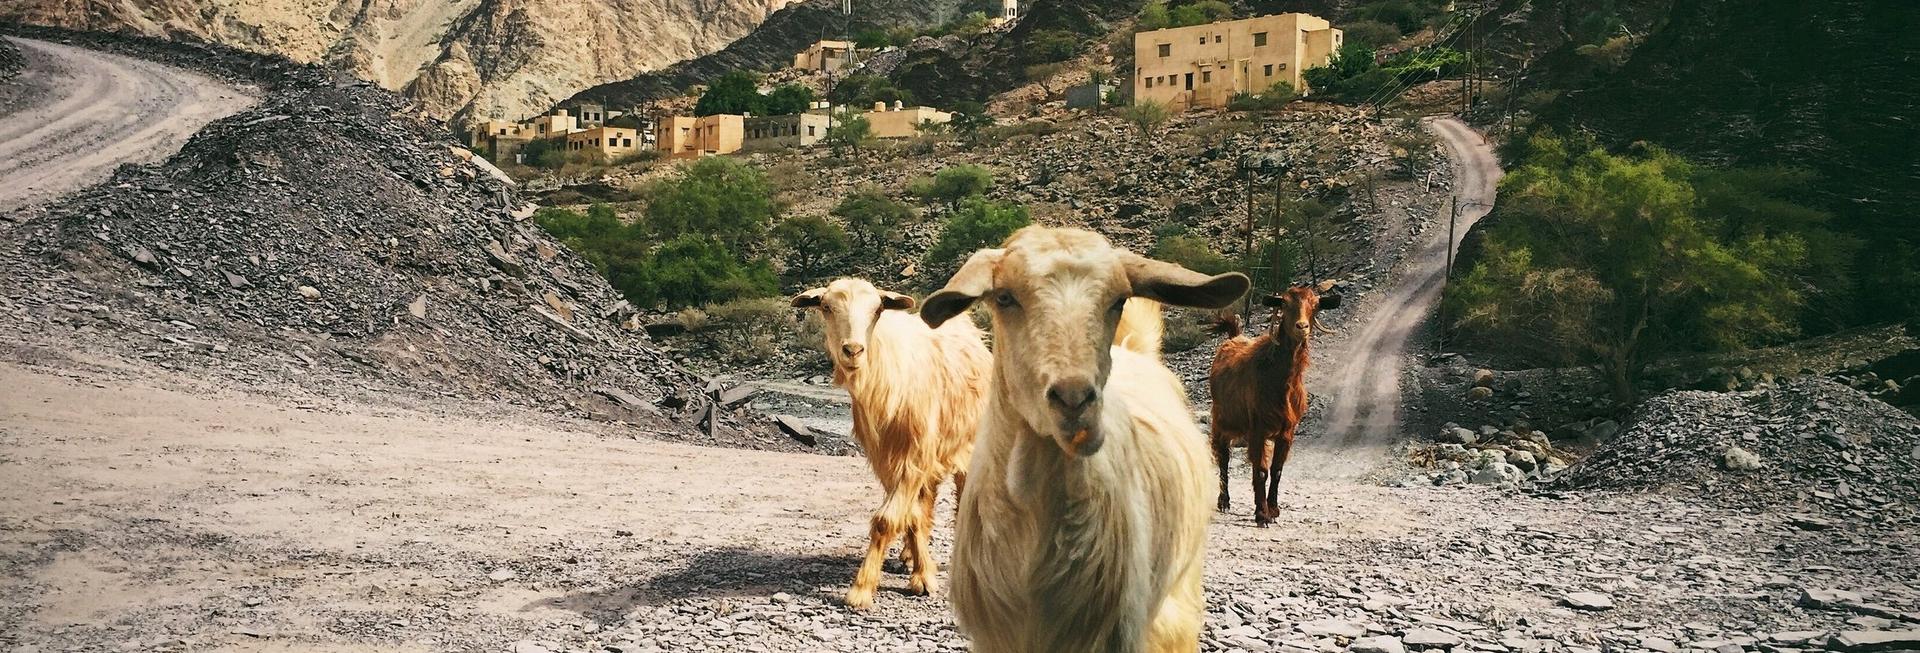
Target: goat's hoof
point(860, 600)
point(921, 587)
point(1225, 505)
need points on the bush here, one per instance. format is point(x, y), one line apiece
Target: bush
point(714, 196)
point(1186, 329)
point(1613, 260)
point(1158, 15)
point(1191, 252)
point(544, 153)
point(1146, 115)
point(873, 218)
point(748, 330)
point(955, 183)
point(696, 268)
point(1047, 46)
point(977, 224)
point(811, 242)
point(849, 130)
point(638, 157)
point(1275, 97)
point(1408, 16)
point(969, 119)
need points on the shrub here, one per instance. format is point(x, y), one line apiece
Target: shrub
point(738, 92)
point(714, 196)
point(811, 242)
point(637, 157)
point(1043, 74)
point(849, 130)
point(978, 223)
point(748, 330)
point(872, 37)
point(1146, 115)
point(1186, 329)
point(955, 183)
point(695, 268)
point(969, 119)
point(544, 153)
point(1408, 16)
point(1047, 46)
point(1275, 97)
point(873, 218)
point(786, 100)
point(1191, 252)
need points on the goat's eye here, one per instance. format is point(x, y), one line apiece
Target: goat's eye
point(1005, 300)
point(826, 309)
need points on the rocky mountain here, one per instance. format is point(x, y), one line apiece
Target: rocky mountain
point(773, 44)
point(457, 58)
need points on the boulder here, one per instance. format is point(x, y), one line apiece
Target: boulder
point(1739, 460)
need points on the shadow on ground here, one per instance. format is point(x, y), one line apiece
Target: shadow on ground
point(716, 573)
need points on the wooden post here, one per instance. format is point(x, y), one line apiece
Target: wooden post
point(1246, 247)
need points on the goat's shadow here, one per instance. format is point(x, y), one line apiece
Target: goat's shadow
point(719, 573)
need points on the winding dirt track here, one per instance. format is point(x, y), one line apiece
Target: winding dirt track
point(1364, 387)
point(73, 115)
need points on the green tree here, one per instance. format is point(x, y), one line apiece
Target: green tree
point(811, 242)
point(969, 120)
point(786, 100)
point(717, 196)
point(1146, 115)
point(1612, 261)
point(873, 218)
point(872, 37)
point(544, 153)
point(1370, 33)
point(1043, 75)
point(862, 90)
point(955, 183)
point(693, 269)
point(1048, 46)
point(978, 223)
point(849, 130)
point(735, 92)
point(1201, 13)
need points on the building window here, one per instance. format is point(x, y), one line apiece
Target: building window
point(1216, 38)
point(1166, 49)
point(1206, 77)
point(1259, 39)
point(1203, 39)
point(809, 130)
point(1149, 82)
point(1269, 70)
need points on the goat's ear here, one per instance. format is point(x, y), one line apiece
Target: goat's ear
point(1273, 300)
point(808, 299)
point(1171, 284)
point(1328, 302)
point(974, 279)
point(895, 301)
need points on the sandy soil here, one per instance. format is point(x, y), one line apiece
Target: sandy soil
point(74, 114)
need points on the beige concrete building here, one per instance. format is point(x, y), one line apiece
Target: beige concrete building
point(772, 132)
point(610, 141)
point(901, 121)
point(684, 136)
point(1205, 65)
point(825, 56)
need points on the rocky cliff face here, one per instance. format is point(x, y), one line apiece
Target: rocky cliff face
point(457, 58)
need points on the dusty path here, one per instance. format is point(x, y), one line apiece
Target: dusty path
point(1364, 385)
point(144, 510)
point(74, 114)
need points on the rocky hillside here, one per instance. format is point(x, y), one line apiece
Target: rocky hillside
point(772, 45)
point(457, 58)
point(10, 60)
point(328, 239)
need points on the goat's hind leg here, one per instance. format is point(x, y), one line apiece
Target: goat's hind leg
point(1260, 456)
point(1222, 453)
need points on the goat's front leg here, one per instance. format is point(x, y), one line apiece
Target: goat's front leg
point(919, 539)
point(1260, 457)
point(887, 524)
point(1283, 445)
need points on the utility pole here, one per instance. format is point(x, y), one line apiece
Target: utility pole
point(1246, 247)
point(1276, 279)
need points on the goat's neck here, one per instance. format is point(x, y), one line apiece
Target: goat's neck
point(1285, 356)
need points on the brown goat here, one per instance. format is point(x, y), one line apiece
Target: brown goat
point(1260, 394)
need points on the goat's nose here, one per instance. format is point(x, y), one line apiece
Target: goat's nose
point(1072, 397)
point(1301, 325)
point(852, 350)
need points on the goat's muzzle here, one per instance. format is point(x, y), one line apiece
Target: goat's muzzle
point(1075, 404)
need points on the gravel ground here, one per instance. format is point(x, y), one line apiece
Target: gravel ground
point(152, 511)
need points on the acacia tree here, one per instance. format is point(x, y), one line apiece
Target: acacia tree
point(1611, 261)
point(849, 130)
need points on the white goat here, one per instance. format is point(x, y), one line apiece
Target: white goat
point(1085, 526)
point(917, 396)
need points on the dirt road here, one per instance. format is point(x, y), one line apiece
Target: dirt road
point(1363, 387)
point(146, 510)
point(74, 114)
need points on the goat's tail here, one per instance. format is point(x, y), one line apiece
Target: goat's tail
point(1228, 325)
point(1141, 327)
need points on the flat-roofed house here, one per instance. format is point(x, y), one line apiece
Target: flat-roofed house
point(1206, 65)
point(772, 132)
point(825, 56)
point(685, 136)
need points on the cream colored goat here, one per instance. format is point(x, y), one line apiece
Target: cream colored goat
point(1084, 527)
point(917, 396)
